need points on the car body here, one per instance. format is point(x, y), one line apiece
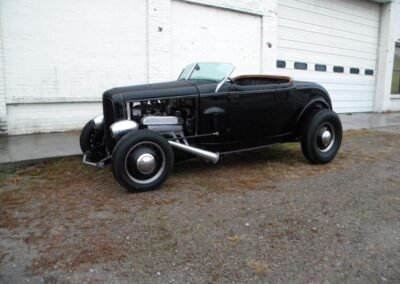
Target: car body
point(205, 113)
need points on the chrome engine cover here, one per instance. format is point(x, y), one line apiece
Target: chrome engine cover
point(163, 123)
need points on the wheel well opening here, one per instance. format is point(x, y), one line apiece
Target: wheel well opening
point(314, 107)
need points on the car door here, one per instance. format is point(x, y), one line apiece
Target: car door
point(252, 112)
point(288, 105)
point(212, 116)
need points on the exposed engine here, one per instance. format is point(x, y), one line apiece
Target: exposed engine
point(169, 115)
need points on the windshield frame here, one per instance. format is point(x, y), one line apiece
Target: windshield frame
point(188, 71)
point(189, 68)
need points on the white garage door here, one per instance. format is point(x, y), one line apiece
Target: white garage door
point(334, 43)
point(201, 33)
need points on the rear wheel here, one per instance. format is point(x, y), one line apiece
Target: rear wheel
point(142, 161)
point(321, 136)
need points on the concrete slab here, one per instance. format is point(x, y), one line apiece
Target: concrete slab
point(41, 146)
point(38, 146)
point(369, 120)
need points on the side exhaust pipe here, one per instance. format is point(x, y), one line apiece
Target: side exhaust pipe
point(209, 156)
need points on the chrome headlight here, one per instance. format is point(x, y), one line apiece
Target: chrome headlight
point(120, 128)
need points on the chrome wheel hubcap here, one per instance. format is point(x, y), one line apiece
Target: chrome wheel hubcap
point(146, 163)
point(326, 137)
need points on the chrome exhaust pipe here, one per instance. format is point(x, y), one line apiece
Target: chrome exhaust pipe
point(209, 156)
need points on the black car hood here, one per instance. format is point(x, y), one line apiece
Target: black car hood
point(150, 91)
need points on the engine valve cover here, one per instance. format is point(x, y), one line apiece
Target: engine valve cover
point(161, 120)
point(163, 123)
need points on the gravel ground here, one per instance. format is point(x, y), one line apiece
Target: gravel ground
point(263, 217)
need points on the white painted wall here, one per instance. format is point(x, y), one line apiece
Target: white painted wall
point(395, 37)
point(389, 35)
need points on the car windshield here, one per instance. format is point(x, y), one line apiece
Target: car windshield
point(215, 71)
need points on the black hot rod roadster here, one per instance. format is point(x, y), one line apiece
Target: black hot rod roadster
point(206, 114)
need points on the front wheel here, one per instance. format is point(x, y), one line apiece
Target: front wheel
point(91, 142)
point(321, 136)
point(142, 161)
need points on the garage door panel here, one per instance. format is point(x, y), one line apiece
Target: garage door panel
point(368, 8)
point(296, 55)
point(349, 43)
point(329, 10)
point(345, 84)
point(344, 88)
point(325, 20)
point(357, 104)
point(330, 77)
point(353, 8)
point(353, 96)
point(338, 86)
point(199, 33)
point(334, 33)
point(294, 24)
point(324, 49)
point(352, 108)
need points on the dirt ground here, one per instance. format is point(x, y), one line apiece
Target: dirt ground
point(265, 216)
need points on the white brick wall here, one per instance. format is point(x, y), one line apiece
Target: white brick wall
point(29, 118)
point(158, 40)
point(67, 51)
point(60, 57)
point(73, 48)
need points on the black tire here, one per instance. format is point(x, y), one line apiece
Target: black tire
point(321, 136)
point(90, 138)
point(128, 155)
